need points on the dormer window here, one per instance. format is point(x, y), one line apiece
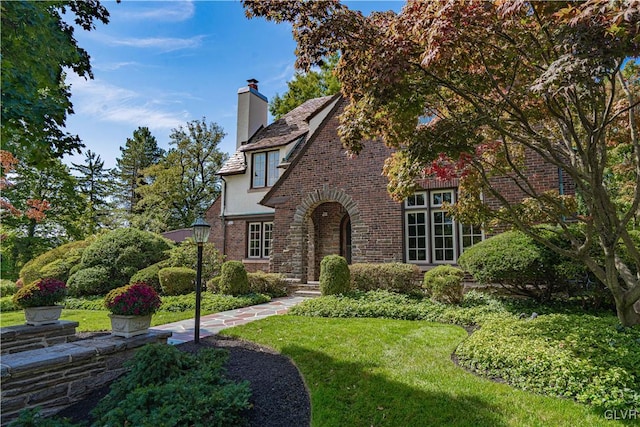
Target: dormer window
point(265, 169)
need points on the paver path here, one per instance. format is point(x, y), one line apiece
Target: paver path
point(213, 323)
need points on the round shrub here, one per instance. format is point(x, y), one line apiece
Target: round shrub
point(186, 255)
point(7, 287)
point(177, 280)
point(393, 276)
point(57, 261)
point(89, 281)
point(233, 279)
point(149, 275)
point(514, 261)
point(334, 275)
point(213, 284)
point(124, 252)
point(444, 284)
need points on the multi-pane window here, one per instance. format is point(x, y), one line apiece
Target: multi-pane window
point(260, 239)
point(265, 169)
point(431, 235)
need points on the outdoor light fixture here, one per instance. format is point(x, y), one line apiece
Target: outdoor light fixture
point(200, 235)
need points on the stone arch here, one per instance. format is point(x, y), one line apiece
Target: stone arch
point(298, 244)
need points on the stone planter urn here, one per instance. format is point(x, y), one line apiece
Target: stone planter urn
point(129, 326)
point(38, 316)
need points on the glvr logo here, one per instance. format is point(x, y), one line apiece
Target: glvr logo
point(621, 414)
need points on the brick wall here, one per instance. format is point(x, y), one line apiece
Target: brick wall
point(322, 174)
point(230, 236)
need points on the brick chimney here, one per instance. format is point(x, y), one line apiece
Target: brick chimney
point(252, 111)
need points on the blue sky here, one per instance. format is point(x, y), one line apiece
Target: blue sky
point(162, 64)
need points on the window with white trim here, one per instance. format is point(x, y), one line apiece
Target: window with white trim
point(260, 238)
point(265, 169)
point(431, 235)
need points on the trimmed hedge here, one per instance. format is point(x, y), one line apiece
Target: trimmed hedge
point(394, 276)
point(177, 280)
point(122, 253)
point(149, 275)
point(514, 261)
point(271, 284)
point(55, 263)
point(444, 284)
point(7, 287)
point(233, 279)
point(89, 281)
point(334, 275)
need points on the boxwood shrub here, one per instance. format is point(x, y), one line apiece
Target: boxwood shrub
point(149, 275)
point(334, 275)
point(89, 281)
point(54, 263)
point(233, 279)
point(177, 280)
point(122, 253)
point(514, 261)
point(271, 284)
point(444, 284)
point(393, 276)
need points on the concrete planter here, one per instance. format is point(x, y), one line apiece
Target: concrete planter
point(38, 316)
point(129, 326)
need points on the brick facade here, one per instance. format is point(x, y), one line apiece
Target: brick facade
point(328, 203)
point(229, 235)
point(323, 174)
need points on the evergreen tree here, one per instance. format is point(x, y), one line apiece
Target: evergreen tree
point(139, 153)
point(94, 184)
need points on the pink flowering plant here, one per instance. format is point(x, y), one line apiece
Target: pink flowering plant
point(41, 293)
point(137, 299)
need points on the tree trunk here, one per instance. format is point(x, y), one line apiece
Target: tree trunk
point(628, 315)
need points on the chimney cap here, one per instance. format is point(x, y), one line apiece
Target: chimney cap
point(253, 84)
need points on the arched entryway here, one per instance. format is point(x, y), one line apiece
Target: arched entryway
point(327, 221)
point(328, 228)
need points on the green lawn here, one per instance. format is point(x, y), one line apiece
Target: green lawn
point(380, 372)
point(97, 320)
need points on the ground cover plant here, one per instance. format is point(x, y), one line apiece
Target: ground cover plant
point(387, 372)
point(561, 351)
point(165, 386)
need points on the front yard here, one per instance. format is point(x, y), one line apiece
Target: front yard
point(382, 372)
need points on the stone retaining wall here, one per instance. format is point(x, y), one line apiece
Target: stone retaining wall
point(25, 337)
point(54, 377)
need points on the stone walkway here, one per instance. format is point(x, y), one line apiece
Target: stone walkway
point(213, 323)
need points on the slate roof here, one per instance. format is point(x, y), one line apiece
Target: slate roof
point(283, 131)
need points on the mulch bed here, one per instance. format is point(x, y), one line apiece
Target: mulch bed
point(278, 394)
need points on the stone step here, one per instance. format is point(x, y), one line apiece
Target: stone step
point(307, 293)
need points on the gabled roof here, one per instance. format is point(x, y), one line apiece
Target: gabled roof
point(287, 129)
point(267, 198)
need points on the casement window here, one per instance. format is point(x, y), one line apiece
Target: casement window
point(431, 235)
point(260, 236)
point(265, 169)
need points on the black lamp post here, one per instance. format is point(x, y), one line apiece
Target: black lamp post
point(200, 235)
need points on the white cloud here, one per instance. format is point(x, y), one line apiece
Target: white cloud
point(113, 66)
point(174, 11)
point(109, 103)
point(164, 44)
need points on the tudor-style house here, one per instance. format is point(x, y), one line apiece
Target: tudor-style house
point(291, 196)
